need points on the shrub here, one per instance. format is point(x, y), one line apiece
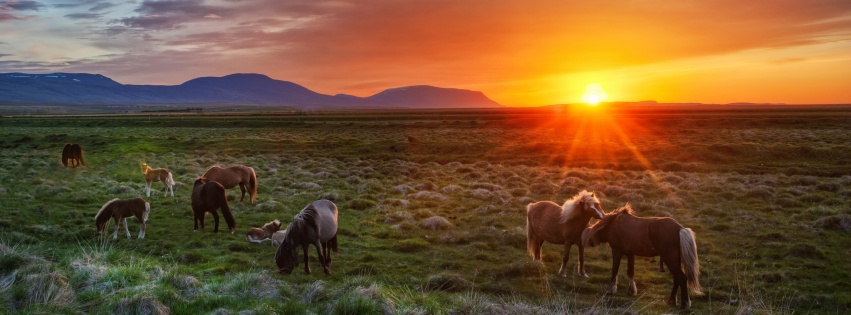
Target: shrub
point(436, 223)
point(412, 245)
point(840, 222)
point(448, 282)
point(361, 204)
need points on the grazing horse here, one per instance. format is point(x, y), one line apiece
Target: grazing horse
point(316, 224)
point(207, 197)
point(257, 235)
point(157, 175)
point(119, 210)
point(547, 221)
point(230, 177)
point(72, 155)
point(654, 236)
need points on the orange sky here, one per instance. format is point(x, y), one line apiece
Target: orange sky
point(518, 53)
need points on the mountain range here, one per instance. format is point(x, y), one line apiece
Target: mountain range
point(237, 89)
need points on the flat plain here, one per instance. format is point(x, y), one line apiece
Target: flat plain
point(767, 192)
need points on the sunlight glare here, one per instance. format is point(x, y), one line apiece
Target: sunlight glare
point(594, 94)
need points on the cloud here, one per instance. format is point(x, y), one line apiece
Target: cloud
point(170, 14)
point(23, 5)
point(81, 16)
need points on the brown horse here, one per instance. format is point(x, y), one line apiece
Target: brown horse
point(230, 177)
point(654, 236)
point(119, 210)
point(547, 221)
point(72, 155)
point(157, 175)
point(316, 224)
point(257, 235)
point(207, 197)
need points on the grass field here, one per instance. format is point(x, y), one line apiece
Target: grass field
point(768, 194)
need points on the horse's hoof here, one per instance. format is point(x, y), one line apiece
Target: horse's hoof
point(583, 275)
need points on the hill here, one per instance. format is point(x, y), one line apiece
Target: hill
point(243, 89)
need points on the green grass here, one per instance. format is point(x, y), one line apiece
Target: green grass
point(766, 193)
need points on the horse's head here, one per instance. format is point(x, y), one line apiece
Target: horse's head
point(589, 204)
point(287, 256)
point(273, 226)
point(145, 167)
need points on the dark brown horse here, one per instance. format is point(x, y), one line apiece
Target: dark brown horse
point(207, 197)
point(119, 210)
point(72, 155)
point(316, 224)
point(654, 236)
point(547, 221)
point(230, 177)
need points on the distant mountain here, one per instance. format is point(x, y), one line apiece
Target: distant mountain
point(242, 89)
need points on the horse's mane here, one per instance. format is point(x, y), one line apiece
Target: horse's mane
point(301, 222)
point(602, 223)
point(102, 213)
point(567, 210)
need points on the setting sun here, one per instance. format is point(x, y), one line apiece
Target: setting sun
point(594, 94)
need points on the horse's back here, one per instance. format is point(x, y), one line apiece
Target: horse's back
point(644, 236)
point(327, 221)
point(543, 218)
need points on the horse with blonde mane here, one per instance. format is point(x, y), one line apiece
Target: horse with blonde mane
point(157, 175)
point(230, 177)
point(119, 210)
point(547, 221)
point(258, 235)
point(653, 236)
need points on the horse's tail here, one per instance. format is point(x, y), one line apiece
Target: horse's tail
point(147, 212)
point(530, 241)
point(228, 215)
point(82, 160)
point(332, 243)
point(169, 179)
point(691, 264)
point(252, 185)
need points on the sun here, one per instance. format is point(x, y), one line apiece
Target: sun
point(594, 94)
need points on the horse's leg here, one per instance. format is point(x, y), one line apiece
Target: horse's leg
point(661, 265)
point(117, 226)
point(141, 227)
point(319, 250)
point(616, 263)
point(538, 250)
point(306, 259)
point(215, 219)
point(630, 272)
point(673, 266)
point(242, 188)
point(563, 270)
point(581, 267)
point(148, 189)
point(126, 228)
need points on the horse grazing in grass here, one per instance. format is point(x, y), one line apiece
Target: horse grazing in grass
point(654, 236)
point(230, 177)
point(157, 175)
point(119, 210)
point(207, 197)
point(257, 235)
point(547, 221)
point(72, 155)
point(316, 224)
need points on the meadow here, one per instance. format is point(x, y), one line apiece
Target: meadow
point(767, 192)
